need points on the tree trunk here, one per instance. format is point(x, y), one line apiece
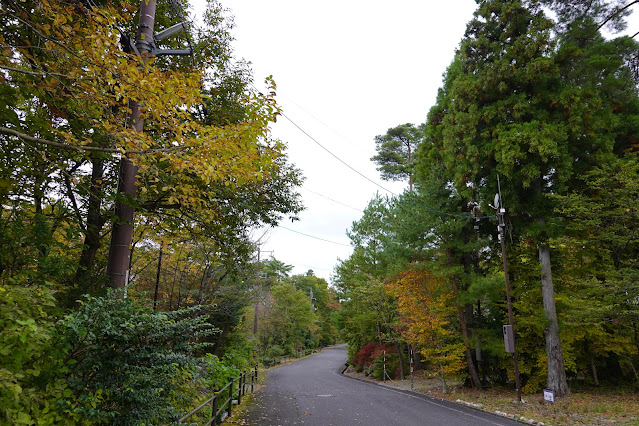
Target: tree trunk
point(556, 370)
point(472, 370)
point(593, 367)
point(157, 279)
point(417, 359)
point(94, 224)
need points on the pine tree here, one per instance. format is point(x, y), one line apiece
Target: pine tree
point(396, 149)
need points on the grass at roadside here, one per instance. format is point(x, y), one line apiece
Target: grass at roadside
point(239, 411)
point(587, 406)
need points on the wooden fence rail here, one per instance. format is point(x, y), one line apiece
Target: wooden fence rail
point(285, 358)
point(220, 409)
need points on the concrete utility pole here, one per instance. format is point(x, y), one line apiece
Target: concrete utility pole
point(119, 252)
point(120, 249)
point(312, 298)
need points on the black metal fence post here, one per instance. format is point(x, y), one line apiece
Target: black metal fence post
point(214, 409)
point(244, 383)
point(230, 407)
point(218, 393)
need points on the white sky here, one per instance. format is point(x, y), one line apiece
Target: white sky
point(346, 71)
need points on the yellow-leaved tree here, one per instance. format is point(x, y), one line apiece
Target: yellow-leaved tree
point(68, 77)
point(426, 307)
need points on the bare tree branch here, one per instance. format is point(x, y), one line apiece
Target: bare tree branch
point(81, 148)
point(34, 73)
point(616, 13)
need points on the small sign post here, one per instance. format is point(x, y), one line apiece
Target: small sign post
point(411, 368)
point(384, 378)
point(549, 396)
point(509, 339)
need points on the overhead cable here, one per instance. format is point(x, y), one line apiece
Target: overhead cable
point(459, 215)
point(336, 157)
point(335, 201)
point(312, 236)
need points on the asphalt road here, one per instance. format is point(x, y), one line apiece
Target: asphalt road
point(312, 391)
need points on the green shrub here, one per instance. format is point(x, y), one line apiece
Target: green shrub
point(238, 351)
point(141, 363)
point(215, 374)
point(272, 355)
point(31, 363)
point(392, 365)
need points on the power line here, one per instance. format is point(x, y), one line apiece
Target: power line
point(366, 177)
point(312, 236)
point(362, 175)
point(335, 201)
point(336, 157)
point(458, 215)
point(316, 119)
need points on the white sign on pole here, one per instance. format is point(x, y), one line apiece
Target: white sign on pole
point(549, 395)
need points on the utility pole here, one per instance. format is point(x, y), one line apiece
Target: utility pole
point(312, 298)
point(157, 279)
point(122, 233)
point(119, 252)
point(509, 330)
point(257, 302)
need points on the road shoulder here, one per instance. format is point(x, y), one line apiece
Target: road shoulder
point(453, 405)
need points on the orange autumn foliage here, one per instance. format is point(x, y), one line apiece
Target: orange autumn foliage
point(426, 306)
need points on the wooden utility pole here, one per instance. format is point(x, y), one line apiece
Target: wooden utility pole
point(257, 277)
point(511, 319)
point(122, 233)
point(157, 279)
point(257, 302)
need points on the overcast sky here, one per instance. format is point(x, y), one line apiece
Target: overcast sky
point(345, 71)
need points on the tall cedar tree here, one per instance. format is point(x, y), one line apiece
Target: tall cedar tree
point(498, 121)
point(515, 106)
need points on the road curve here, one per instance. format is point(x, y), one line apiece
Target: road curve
point(313, 392)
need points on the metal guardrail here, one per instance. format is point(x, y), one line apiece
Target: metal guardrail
point(222, 409)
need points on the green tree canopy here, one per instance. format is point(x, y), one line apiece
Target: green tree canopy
point(396, 149)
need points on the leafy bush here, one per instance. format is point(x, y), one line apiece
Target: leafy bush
point(111, 361)
point(367, 355)
point(392, 365)
point(238, 350)
point(30, 364)
point(272, 354)
point(141, 363)
point(214, 373)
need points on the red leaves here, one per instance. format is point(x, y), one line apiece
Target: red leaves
point(369, 353)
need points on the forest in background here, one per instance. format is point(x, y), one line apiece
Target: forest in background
point(542, 108)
